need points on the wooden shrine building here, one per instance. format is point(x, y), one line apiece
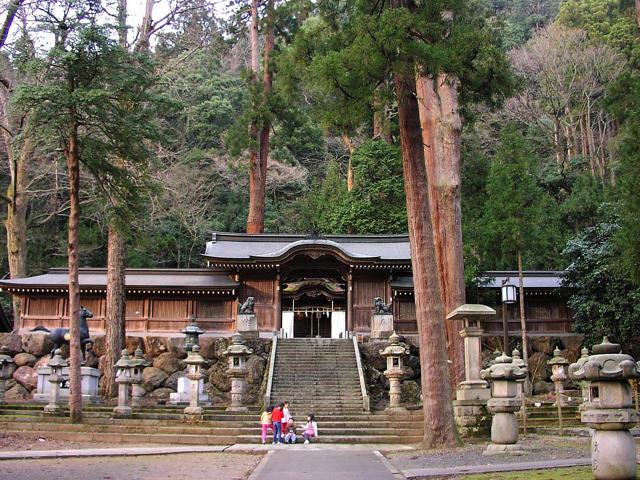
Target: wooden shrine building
point(303, 286)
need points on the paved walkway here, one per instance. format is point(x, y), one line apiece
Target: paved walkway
point(316, 464)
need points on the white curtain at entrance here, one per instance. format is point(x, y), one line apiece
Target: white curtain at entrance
point(338, 324)
point(287, 324)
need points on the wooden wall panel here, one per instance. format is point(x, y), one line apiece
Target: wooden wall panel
point(405, 316)
point(365, 289)
point(134, 308)
point(42, 306)
point(170, 309)
point(215, 315)
point(264, 290)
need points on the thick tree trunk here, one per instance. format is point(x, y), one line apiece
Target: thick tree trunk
point(75, 355)
point(115, 310)
point(441, 128)
point(255, 218)
point(439, 427)
point(144, 38)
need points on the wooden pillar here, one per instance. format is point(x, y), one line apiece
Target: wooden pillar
point(349, 302)
point(278, 303)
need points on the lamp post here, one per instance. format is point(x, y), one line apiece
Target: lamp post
point(508, 294)
point(192, 332)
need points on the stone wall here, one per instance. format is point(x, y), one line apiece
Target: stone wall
point(166, 355)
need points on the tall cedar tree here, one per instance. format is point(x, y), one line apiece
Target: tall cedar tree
point(84, 104)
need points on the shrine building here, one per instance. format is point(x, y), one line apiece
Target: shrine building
point(303, 286)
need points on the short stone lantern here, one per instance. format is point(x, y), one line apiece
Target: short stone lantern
point(519, 362)
point(503, 376)
point(584, 384)
point(138, 364)
point(559, 366)
point(192, 332)
point(123, 379)
point(5, 369)
point(56, 380)
point(194, 362)
point(609, 409)
point(237, 352)
point(395, 353)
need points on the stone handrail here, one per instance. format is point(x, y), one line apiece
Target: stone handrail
point(366, 404)
point(272, 363)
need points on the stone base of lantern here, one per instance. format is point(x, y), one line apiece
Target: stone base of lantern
point(472, 417)
point(509, 449)
point(613, 455)
point(54, 410)
point(122, 411)
point(193, 414)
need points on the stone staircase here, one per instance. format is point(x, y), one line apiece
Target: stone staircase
point(318, 375)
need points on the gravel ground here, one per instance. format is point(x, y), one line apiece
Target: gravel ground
point(201, 466)
point(29, 441)
point(537, 447)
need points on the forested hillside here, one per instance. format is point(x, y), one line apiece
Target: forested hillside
point(550, 128)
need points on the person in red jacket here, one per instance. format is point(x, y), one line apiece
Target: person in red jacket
point(276, 418)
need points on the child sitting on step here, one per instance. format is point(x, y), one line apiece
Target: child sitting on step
point(310, 429)
point(290, 432)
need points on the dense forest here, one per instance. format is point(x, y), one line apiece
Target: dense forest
point(127, 139)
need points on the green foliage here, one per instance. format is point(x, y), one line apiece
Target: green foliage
point(605, 302)
point(518, 215)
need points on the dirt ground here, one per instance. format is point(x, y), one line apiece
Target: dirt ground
point(194, 466)
point(537, 447)
point(30, 441)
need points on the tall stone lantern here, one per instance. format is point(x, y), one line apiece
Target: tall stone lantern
point(5, 370)
point(470, 405)
point(237, 353)
point(194, 362)
point(609, 409)
point(395, 353)
point(138, 363)
point(123, 379)
point(56, 379)
point(503, 376)
point(559, 366)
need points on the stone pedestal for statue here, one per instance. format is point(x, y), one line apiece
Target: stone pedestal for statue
point(381, 325)
point(470, 406)
point(194, 362)
point(237, 353)
point(247, 326)
point(56, 379)
point(503, 375)
point(609, 410)
point(89, 383)
point(395, 353)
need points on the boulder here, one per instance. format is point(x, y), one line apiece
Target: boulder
point(17, 393)
point(27, 377)
point(208, 347)
point(11, 369)
point(175, 345)
point(153, 378)
point(154, 346)
point(12, 341)
point(42, 362)
point(538, 368)
point(37, 344)
point(370, 352)
point(259, 346)
point(167, 362)
point(25, 359)
point(132, 344)
point(218, 377)
point(256, 366)
point(162, 394)
point(10, 384)
point(91, 359)
point(541, 388)
point(98, 345)
point(410, 392)
point(172, 380)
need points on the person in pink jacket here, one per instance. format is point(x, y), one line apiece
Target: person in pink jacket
point(310, 429)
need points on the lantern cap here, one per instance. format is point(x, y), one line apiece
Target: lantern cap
point(503, 368)
point(516, 359)
point(193, 328)
point(558, 359)
point(605, 363)
point(194, 357)
point(470, 310)
point(395, 347)
point(125, 360)
point(238, 346)
point(57, 360)
point(138, 359)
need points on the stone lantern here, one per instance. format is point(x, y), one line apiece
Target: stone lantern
point(5, 369)
point(56, 380)
point(194, 362)
point(394, 353)
point(518, 362)
point(192, 332)
point(609, 409)
point(123, 379)
point(138, 363)
point(503, 376)
point(584, 384)
point(237, 352)
point(559, 366)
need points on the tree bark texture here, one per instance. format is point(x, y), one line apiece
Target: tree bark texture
point(439, 427)
point(75, 356)
point(115, 310)
point(523, 322)
point(145, 28)
point(441, 128)
point(349, 144)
